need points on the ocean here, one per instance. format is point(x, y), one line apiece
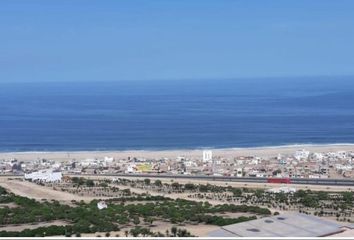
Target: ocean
point(172, 114)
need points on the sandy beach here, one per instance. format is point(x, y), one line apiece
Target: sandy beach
point(172, 154)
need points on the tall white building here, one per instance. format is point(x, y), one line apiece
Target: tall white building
point(207, 156)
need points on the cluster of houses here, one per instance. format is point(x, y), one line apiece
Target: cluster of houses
point(301, 164)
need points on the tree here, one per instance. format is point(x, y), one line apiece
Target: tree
point(135, 231)
point(175, 185)
point(147, 181)
point(149, 220)
point(158, 183)
point(174, 231)
point(90, 183)
point(189, 186)
point(347, 197)
point(136, 220)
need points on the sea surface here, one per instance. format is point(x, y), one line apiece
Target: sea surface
point(176, 114)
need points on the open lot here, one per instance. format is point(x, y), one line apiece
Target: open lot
point(35, 191)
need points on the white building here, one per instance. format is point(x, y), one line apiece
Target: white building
point(239, 172)
point(254, 161)
point(89, 162)
point(102, 205)
point(301, 155)
point(131, 168)
point(47, 175)
point(207, 156)
point(344, 167)
point(180, 159)
point(282, 190)
point(318, 156)
point(341, 154)
point(240, 162)
point(190, 164)
point(108, 159)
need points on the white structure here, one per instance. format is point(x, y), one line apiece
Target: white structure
point(301, 155)
point(47, 175)
point(344, 167)
point(102, 205)
point(180, 159)
point(108, 159)
point(190, 164)
point(254, 161)
point(239, 172)
point(282, 190)
point(240, 162)
point(318, 156)
point(89, 162)
point(207, 156)
point(342, 154)
point(131, 168)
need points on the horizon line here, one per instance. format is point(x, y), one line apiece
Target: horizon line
point(182, 79)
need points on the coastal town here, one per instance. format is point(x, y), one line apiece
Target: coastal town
point(300, 163)
point(124, 194)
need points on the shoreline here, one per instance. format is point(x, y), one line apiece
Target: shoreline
point(267, 151)
point(300, 146)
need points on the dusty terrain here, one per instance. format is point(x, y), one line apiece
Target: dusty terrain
point(21, 227)
point(200, 230)
point(35, 191)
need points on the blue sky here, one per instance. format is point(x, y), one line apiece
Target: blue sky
point(103, 40)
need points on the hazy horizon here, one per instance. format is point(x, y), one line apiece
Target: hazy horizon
point(171, 80)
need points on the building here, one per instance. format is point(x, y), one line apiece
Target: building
point(286, 225)
point(47, 175)
point(207, 156)
point(301, 155)
point(282, 190)
point(239, 172)
point(102, 205)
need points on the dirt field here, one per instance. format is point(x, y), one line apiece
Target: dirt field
point(160, 226)
point(35, 191)
point(21, 227)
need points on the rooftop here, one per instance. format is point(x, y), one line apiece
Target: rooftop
point(286, 225)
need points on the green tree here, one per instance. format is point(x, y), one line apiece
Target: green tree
point(174, 231)
point(90, 183)
point(136, 220)
point(147, 181)
point(158, 183)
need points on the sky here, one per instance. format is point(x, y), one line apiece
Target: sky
point(116, 40)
